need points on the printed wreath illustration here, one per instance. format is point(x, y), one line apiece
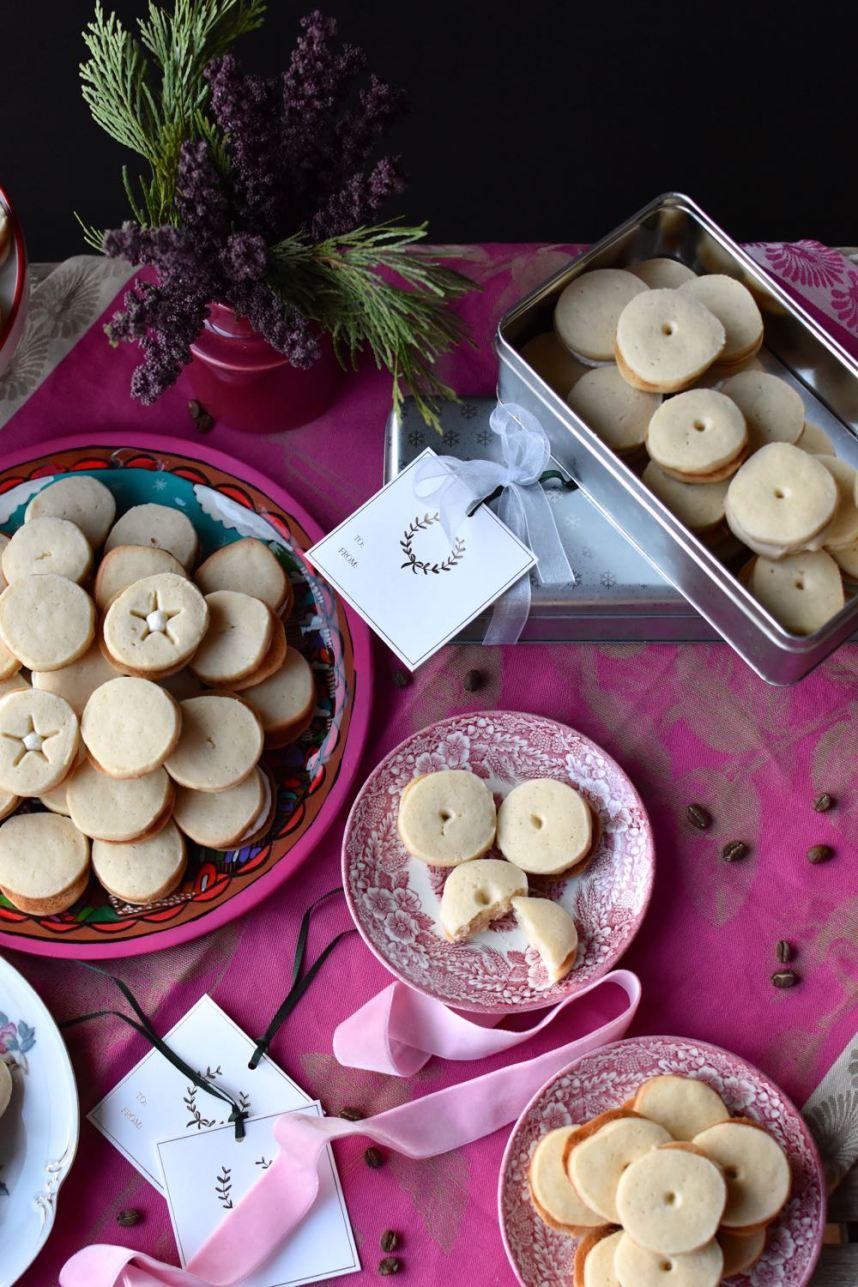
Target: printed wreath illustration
point(416, 565)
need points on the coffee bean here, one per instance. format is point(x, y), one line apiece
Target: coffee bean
point(390, 1265)
point(352, 1114)
point(783, 951)
point(194, 410)
point(824, 802)
point(819, 853)
point(473, 680)
point(401, 679)
point(785, 978)
point(698, 816)
point(389, 1240)
point(205, 422)
point(373, 1158)
point(128, 1218)
point(733, 851)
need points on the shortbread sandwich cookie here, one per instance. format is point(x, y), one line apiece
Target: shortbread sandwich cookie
point(684, 1106)
point(236, 639)
point(773, 410)
point(14, 684)
point(9, 665)
point(221, 819)
point(588, 309)
point(553, 362)
point(126, 564)
point(142, 871)
point(662, 274)
point(594, 1259)
point(46, 621)
point(740, 1254)
point(551, 931)
point(618, 413)
point(801, 591)
point(80, 499)
point(842, 531)
point(554, 1199)
point(130, 726)
point(697, 435)
point(273, 660)
point(700, 506)
point(285, 702)
point(220, 744)
point(756, 1170)
point(447, 818)
point(155, 625)
point(261, 825)
point(47, 545)
point(156, 525)
point(778, 502)
point(6, 1084)
point(251, 567)
point(119, 809)
point(671, 1200)
point(545, 827)
point(603, 1150)
point(736, 310)
point(847, 560)
point(77, 681)
point(665, 340)
point(44, 863)
point(815, 440)
point(57, 800)
point(637, 1267)
point(477, 893)
point(39, 740)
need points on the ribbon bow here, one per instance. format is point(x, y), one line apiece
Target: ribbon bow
point(456, 486)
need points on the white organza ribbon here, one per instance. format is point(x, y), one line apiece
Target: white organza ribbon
point(454, 485)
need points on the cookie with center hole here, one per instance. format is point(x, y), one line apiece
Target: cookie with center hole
point(736, 310)
point(44, 863)
point(157, 525)
point(801, 591)
point(756, 1170)
point(39, 739)
point(637, 1267)
point(477, 893)
point(447, 818)
point(671, 1200)
point(588, 309)
point(47, 545)
point(603, 1150)
point(142, 871)
point(779, 501)
point(220, 744)
point(698, 436)
point(545, 827)
point(594, 1259)
point(130, 726)
point(80, 499)
point(554, 1199)
point(665, 340)
point(155, 625)
point(46, 621)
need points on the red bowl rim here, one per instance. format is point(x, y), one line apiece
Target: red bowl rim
point(21, 250)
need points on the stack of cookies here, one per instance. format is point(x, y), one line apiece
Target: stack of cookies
point(662, 365)
point(152, 692)
point(543, 828)
point(668, 1184)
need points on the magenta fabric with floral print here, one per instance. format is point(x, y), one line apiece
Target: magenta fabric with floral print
point(686, 723)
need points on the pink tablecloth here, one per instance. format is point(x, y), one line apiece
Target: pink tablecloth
point(688, 723)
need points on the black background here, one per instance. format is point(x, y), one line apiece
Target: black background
point(544, 121)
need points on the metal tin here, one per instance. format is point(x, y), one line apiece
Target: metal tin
point(796, 346)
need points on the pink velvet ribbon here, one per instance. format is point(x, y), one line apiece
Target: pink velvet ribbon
point(396, 1032)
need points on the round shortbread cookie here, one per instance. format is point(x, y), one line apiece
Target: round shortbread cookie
point(250, 567)
point(126, 564)
point(740, 1253)
point(14, 684)
point(666, 339)
point(273, 660)
point(780, 499)
point(57, 800)
point(220, 819)
point(662, 274)
point(77, 681)
point(81, 500)
point(261, 825)
point(143, 870)
point(596, 1162)
point(156, 624)
point(118, 809)
point(847, 560)
point(755, 1168)
point(130, 726)
point(9, 803)
point(220, 744)
point(553, 362)
point(447, 818)
point(815, 440)
point(46, 621)
point(6, 1084)
point(158, 525)
point(697, 433)
point(47, 545)
point(551, 1191)
point(801, 591)
point(842, 531)
point(9, 665)
point(736, 310)
point(550, 931)
point(637, 1267)
point(44, 863)
point(544, 826)
point(594, 1259)
point(588, 309)
point(237, 638)
point(613, 409)
point(284, 702)
point(684, 1106)
point(477, 893)
point(671, 1200)
point(773, 410)
point(39, 739)
point(700, 506)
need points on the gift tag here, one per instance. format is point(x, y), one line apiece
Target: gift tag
point(417, 588)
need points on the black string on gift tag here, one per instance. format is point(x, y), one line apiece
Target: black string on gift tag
point(238, 1114)
point(298, 984)
point(549, 476)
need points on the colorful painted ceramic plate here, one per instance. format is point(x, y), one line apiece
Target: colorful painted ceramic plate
point(225, 500)
point(39, 1130)
point(606, 1078)
point(395, 900)
point(13, 287)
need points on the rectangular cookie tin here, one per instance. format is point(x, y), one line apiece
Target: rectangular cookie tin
point(795, 346)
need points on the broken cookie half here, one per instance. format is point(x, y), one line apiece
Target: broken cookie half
point(551, 931)
point(477, 893)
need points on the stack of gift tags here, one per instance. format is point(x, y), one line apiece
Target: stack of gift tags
point(153, 690)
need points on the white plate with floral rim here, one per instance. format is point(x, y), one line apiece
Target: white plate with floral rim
point(607, 1078)
point(395, 899)
point(39, 1130)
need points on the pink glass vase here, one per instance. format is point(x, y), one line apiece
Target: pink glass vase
point(245, 383)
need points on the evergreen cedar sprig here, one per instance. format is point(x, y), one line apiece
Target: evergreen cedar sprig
point(263, 192)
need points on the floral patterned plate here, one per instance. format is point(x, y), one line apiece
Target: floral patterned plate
point(39, 1130)
point(395, 900)
point(605, 1078)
